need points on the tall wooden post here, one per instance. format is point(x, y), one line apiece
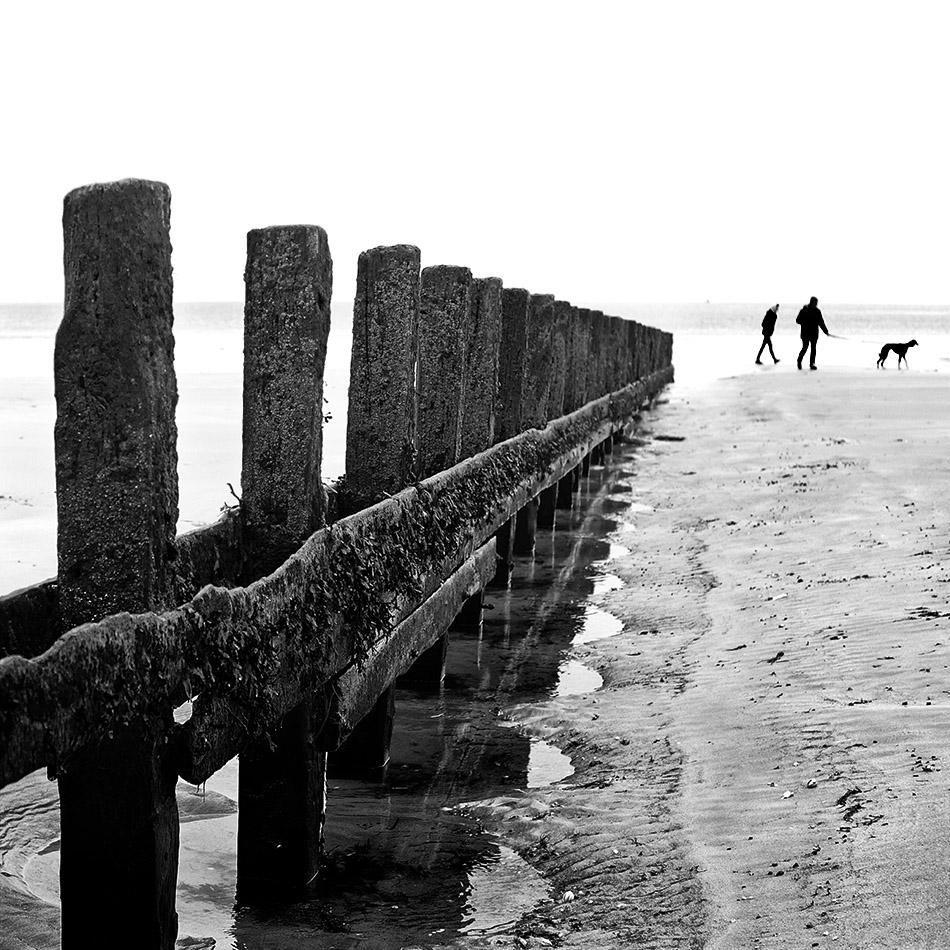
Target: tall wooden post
point(547, 506)
point(381, 418)
point(382, 433)
point(444, 314)
point(117, 500)
point(575, 394)
point(481, 347)
point(511, 363)
point(595, 365)
point(282, 781)
point(537, 364)
point(558, 367)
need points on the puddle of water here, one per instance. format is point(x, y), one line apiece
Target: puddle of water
point(403, 866)
point(490, 908)
point(597, 624)
point(606, 582)
point(576, 679)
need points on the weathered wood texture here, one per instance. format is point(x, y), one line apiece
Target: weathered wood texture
point(30, 620)
point(117, 499)
point(358, 688)
point(115, 436)
point(444, 312)
point(557, 368)
point(596, 386)
point(288, 284)
point(316, 615)
point(514, 328)
point(380, 423)
point(539, 354)
point(482, 343)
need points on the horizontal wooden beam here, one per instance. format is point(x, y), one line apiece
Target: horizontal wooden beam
point(265, 646)
point(356, 690)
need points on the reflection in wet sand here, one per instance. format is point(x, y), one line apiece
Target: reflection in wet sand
point(404, 864)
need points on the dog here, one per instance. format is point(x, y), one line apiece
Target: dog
point(899, 348)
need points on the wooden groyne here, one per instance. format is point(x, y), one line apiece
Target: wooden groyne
point(473, 408)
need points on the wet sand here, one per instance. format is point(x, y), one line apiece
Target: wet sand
point(763, 766)
point(759, 763)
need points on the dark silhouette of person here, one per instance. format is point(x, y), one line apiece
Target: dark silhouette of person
point(811, 321)
point(768, 328)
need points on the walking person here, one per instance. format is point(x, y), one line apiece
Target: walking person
point(768, 328)
point(811, 321)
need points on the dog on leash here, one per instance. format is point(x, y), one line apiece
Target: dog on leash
point(899, 348)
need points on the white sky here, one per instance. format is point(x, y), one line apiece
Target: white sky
point(599, 151)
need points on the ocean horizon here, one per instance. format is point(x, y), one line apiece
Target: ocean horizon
point(711, 341)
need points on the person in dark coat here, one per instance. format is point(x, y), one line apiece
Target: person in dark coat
point(768, 328)
point(811, 321)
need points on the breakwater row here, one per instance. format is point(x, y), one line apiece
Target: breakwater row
point(472, 410)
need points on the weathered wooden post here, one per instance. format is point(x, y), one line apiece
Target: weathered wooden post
point(559, 363)
point(381, 433)
point(547, 506)
point(282, 780)
point(511, 362)
point(595, 365)
point(444, 314)
point(481, 348)
point(117, 500)
point(446, 310)
point(381, 416)
point(581, 354)
point(540, 346)
point(510, 419)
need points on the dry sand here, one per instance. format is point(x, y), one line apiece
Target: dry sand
point(763, 767)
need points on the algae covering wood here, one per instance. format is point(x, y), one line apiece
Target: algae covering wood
point(116, 392)
point(345, 589)
point(445, 309)
point(381, 415)
point(288, 285)
point(483, 341)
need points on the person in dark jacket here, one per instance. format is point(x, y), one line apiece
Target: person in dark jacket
point(768, 328)
point(811, 321)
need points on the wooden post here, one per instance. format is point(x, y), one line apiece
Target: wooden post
point(537, 364)
point(282, 778)
point(288, 284)
point(365, 752)
point(566, 487)
point(381, 418)
point(511, 363)
point(429, 669)
point(575, 394)
point(282, 791)
point(117, 499)
point(595, 364)
point(558, 366)
point(526, 528)
point(469, 618)
point(547, 506)
point(481, 347)
point(444, 313)
point(505, 553)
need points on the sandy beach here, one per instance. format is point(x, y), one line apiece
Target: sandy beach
point(763, 766)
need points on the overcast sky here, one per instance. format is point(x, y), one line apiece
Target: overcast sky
point(599, 151)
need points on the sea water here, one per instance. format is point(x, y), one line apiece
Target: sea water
point(710, 341)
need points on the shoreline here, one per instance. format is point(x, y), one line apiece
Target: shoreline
point(763, 764)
